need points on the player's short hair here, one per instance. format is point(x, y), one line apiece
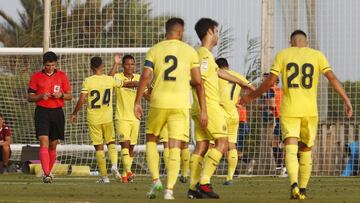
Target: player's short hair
point(170, 24)
point(222, 62)
point(297, 32)
point(95, 62)
point(126, 57)
point(49, 57)
point(203, 25)
point(1, 116)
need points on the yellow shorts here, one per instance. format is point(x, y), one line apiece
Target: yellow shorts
point(216, 124)
point(102, 132)
point(232, 127)
point(128, 130)
point(303, 128)
point(164, 134)
point(177, 121)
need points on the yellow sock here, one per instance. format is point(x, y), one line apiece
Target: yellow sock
point(210, 164)
point(131, 162)
point(305, 168)
point(195, 170)
point(152, 158)
point(166, 154)
point(292, 163)
point(173, 167)
point(113, 154)
point(101, 161)
point(232, 163)
point(126, 160)
point(185, 162)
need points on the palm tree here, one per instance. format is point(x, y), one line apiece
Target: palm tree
point(26, 32)
point(225, 44)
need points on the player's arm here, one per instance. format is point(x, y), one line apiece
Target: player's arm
point(32, 97)
point(77, 108)
point(197, 83)
point(117, 61)
point(227, 76)
point(334, 82)
point(265, 86)
point(144, 81)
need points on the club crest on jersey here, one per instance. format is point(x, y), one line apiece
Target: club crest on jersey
point(203, 65)
point(56, 88)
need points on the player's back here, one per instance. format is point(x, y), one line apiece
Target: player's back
point(229, 94)
point(99, 102)
point(125, 98)
point(171, 61)
point(300, 69)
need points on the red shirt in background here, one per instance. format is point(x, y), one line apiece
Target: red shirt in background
point(242, 114)
point(278, 96)
point(4, 132)
point(41, 83)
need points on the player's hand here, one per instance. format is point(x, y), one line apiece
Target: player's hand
point(46, 96)
point(117, 58)
point(203, 119)
point(73, 118)
point(243, 101)
point(56, 95)
point(348, 109)
point(138, 111)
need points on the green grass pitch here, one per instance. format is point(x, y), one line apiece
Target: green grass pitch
point(28, 188)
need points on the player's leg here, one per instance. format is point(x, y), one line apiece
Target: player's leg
point(96, 136)
point(232, 155)
point(185, 161)
point(57, 129)
point(164, 140)
point(178, 124)
point(42, 129)
point(123, 130)
point(196, 159)
point(109, 136)
point(5, 153)
point(155, 122)
point(307, 137)
point(133, 141)
point(218, 130)
point(291, 134)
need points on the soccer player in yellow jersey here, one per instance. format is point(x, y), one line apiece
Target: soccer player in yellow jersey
point(216, 129)
point(229, 95)
point(97, 90)
point(299, 68)
point(173, 67)
point(126, 124)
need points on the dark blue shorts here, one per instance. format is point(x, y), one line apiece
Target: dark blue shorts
point(243, 130)
point(277, 129)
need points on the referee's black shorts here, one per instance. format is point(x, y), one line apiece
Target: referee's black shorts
point(50, 122)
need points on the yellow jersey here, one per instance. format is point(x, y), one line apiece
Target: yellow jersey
point(229, 94)
point(210, 77)
point(299, 69)
point(171, 62)
point(99, 90)
point(125, 98)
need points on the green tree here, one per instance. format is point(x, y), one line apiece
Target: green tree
point(26, 32)
point(336, 106)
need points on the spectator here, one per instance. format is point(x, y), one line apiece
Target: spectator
point(5, 140)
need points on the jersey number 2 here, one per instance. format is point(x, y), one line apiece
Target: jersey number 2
point(96, 93)
point(171, 68)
